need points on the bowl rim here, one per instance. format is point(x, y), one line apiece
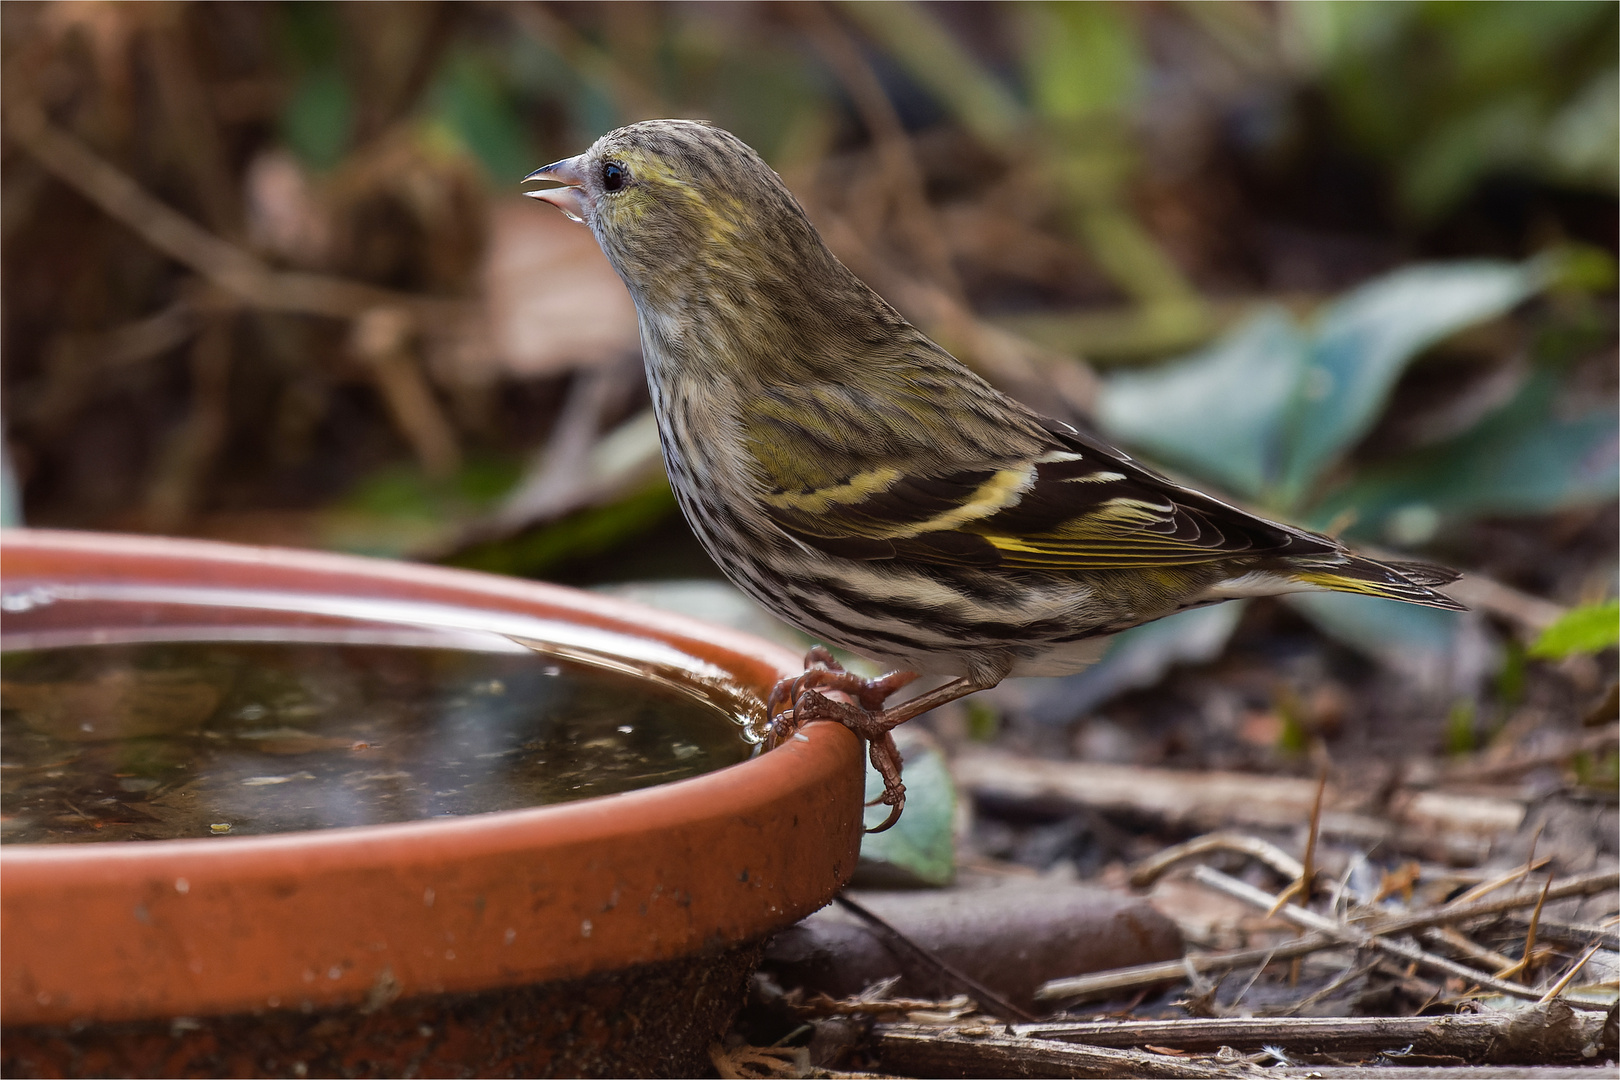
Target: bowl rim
point(196, 919)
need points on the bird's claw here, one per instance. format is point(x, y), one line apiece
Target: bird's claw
point(886, 759)
point(779, 706)
point(795, 701)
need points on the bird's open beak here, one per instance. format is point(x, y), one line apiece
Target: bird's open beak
point(572, 200)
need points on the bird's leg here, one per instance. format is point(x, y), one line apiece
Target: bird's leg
point(870, 720)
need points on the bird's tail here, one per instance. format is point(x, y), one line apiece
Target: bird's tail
point(1412, 582)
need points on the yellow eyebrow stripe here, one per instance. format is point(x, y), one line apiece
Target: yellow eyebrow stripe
point(720, 220)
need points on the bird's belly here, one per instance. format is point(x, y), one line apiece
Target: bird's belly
point(1064, 659)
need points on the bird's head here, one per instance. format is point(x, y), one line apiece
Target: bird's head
point(679, 205)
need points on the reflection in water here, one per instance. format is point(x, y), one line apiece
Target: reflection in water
point(158, 740)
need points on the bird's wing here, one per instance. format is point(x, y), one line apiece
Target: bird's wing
point(1074, 505)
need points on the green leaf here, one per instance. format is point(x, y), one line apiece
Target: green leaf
point(1588, 629)
point(1217, 413)
point(1362, 343)
point(921, 847)
point(1265, 411)
point(1527, 458)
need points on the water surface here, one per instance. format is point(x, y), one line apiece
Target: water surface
point(153, 740)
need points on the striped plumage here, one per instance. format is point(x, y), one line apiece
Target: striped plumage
point(859, 481)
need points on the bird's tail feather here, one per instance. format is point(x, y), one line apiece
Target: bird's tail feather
point(1422, 573)
point(1408, 581)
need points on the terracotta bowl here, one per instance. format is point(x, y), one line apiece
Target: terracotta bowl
point(545, 940)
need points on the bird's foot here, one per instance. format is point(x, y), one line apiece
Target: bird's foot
point(876, 728)
point(822, 671)
point(796, 701)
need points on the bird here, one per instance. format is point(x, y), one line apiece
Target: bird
point(867, 487)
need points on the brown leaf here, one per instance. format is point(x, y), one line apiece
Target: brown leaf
point(553, 301)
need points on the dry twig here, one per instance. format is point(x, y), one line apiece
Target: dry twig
point(1562, 984)
point(1149, 870)
point(1449, 938)
point(1485, 888)
point(875, 1001)
point(1302, 885)
point(1169, 971)
point(380, 315)
point(1590, 742)
point(1350, 935)
point(1537, 1033)
point(1131, 978)
point(1579, 935)
point(1351, 973)
point(1527, 960)
point(229, 267)
point(986, 1052)
point(1458, 911)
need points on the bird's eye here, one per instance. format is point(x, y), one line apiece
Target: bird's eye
point(613, 176)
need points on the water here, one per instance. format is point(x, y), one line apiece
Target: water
point(152, 740)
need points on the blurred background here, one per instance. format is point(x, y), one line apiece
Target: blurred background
point(269, 277)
